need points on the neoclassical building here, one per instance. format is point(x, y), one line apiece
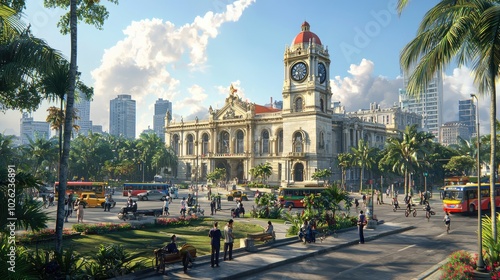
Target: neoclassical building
point(302, 137)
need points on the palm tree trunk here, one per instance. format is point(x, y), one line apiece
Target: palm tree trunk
point(405, 186)
point(361, 180)
point(493, 166)
point(68, 126)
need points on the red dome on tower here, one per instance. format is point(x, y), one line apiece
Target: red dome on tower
point(306, 35)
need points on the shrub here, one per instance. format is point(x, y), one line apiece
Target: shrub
point(102, 227)
point(43, 235)
point(460, 266)
point(175, 221)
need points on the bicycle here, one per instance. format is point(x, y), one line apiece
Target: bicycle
point(408, 211)
point(429, 213)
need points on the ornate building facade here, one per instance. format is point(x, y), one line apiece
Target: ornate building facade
point(304, 136)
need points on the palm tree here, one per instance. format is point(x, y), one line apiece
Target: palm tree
point(23, 59)
point(467, 32)
point(363, 157)
point(345, 162)
point(405, 153)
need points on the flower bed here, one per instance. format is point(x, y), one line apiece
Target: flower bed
point(45, 235)
point(461, 265)
point(175, 221)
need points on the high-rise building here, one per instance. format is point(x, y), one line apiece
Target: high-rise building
point(467, 115)
point(122, 116)
point(31, 129)
point(97, 128)
point(429, 104)
point(450, 131)
point(161, 109)
point(83, 112)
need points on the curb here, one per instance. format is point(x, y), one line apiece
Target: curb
point(430, 271)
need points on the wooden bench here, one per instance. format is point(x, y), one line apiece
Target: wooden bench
point(262, 237)
point(249, 242)
point(162, 257)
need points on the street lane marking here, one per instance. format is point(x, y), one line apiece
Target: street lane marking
point(407, 247)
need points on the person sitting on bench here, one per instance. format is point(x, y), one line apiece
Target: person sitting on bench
point(171, 248)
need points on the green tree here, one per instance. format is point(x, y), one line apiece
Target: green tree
point(405, 153)
point(23, 60)
point(363, 158)
point(262, 171)
point(468, 33)
point(345, 161)
point(216, 176)
point(95, 14)
point(322, 174)
point(460, 165)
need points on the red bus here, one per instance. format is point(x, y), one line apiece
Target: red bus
point(137, 188)
point(293, 196)
point(78, 187)
point(463, 198)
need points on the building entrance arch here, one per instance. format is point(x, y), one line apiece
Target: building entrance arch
point(298, 172)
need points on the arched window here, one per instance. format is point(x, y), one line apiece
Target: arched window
point(265, 142)
point(240, 147)
point(204, 144)
point(298, 104)
point(322, 105)
point(321, 143)
point(175, 144)
point(190, 145)
point(297, 142)
point(224, 142)
point(280, 141)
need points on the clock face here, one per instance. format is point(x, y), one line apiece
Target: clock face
point(321, 73)
point(299, 71)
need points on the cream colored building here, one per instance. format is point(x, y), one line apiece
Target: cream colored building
point(306, 135)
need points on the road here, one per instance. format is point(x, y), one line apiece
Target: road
point(97, 215)
point(402, 256)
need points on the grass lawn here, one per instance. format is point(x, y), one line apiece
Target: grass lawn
point(142, 242)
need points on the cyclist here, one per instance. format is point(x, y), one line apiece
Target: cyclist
point(427, 210)
point(447, 221)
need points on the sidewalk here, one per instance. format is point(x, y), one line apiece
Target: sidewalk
point(281, 252)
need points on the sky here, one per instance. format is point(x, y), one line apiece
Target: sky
point(190, 52)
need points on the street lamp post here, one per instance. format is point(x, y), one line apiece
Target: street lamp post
point(480, 262)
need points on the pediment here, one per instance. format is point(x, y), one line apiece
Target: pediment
point(233, 109)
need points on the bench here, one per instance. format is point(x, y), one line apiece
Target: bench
point(162, 257)
point(261, 237)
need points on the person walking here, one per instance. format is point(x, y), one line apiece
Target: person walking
point(165, 206)
point(183, 207)
point(228, 240)
point(79, 211)
point(447, 221)
point(361, 224)
point(215, 237)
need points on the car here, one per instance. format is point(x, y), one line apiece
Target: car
point(236, 194)
point(90, 199)
point(152, 195)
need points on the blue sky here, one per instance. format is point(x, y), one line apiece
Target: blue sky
point(191, 51)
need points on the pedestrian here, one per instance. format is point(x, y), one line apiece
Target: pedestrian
point(165, 206)
point(356, 203)
point(361, 224)
point(378, 197)
point(79, 211)
point(212, 207)
point(447, 221)
point(183, 207)
point(364, 199)
point(71, 204)
point(66, 210)
point(228, 240)
point(215, 237)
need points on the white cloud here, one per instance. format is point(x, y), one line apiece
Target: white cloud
point(361, 88)
point(138, 64)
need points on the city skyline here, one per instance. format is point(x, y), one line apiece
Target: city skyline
point(190, 56)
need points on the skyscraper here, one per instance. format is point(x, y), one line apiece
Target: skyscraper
point(161, 108)
point(83, 112)
point(31, 129)
point(429, 105)
point(467, 115)
point(122, 116)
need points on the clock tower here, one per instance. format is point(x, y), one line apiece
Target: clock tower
point(307, 65)
point(307, 116)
